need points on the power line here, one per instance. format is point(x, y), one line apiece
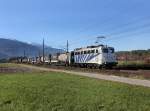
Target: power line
point(105, 21)
point(129, 35)
point(131, 28)
point(126, 24)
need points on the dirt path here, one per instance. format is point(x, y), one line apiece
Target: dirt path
point(138, 82)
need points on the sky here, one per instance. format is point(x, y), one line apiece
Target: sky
point(124, 23)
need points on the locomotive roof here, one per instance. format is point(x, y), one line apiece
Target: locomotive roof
point(93, 46)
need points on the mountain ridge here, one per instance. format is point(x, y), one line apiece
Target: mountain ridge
point(13, 48)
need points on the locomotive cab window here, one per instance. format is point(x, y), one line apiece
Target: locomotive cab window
point(77, 53)
point(112, 50)
point(96, 51)
point(105, 50)
point(92, 51)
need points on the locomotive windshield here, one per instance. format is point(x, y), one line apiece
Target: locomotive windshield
point(108, 50)
point(112, 50)
point(105, 50)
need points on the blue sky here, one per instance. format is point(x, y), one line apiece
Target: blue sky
point(125, 23)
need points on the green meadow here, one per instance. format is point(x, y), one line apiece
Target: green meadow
point(51, 91)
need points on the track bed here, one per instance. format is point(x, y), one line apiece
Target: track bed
point(133, 73)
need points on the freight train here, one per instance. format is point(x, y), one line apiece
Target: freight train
point(97, 56)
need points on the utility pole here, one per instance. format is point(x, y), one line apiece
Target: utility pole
point(67, 51)
point(43, 51)
point(39, 56)
point(24, 53)
point(67, 46)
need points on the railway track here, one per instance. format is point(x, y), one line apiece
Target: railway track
point(133, 73)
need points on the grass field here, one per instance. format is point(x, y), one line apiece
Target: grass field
point(49, 91)
point(9, 65)
point(131, 63)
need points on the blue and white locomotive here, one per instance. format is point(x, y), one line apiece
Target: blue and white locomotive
point(100, 56)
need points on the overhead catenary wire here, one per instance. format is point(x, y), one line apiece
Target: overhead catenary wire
point(90, 26)
point(127, 26)
point(130, 26)
point(116, 30)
